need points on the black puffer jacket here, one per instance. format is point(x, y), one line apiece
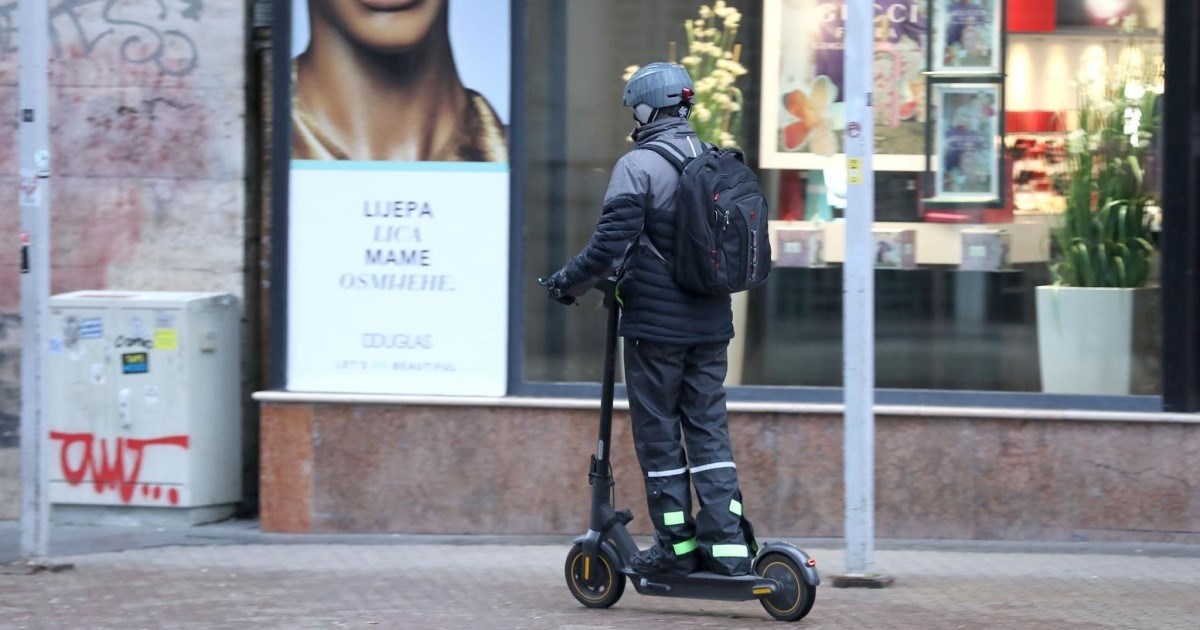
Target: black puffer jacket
point(641, 192)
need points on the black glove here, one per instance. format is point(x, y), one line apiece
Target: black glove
point(554, 286)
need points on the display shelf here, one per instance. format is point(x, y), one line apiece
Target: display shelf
point(1092, 33)
point(938, 243)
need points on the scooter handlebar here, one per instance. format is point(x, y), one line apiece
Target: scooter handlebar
point(556, 293)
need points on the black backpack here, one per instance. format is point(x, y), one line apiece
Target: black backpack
point(721, 242)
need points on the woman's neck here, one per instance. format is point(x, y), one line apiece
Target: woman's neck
point(401, 106)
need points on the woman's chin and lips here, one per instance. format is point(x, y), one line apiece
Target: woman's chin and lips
point(383, 25)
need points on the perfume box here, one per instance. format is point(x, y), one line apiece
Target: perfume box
point(799, 247)
point(895, 248)
point(985, 250)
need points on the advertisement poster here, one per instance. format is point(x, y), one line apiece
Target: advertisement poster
point(966, 37)
point(398, 212)
point(968, 119)
point(803, 89)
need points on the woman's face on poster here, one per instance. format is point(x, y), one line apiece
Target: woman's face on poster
point(382, 25)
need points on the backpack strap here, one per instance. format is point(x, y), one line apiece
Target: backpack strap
point(679, 160)
point(670, 152)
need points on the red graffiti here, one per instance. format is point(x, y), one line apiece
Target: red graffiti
point(111, 473)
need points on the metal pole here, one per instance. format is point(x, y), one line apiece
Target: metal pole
point(858, 298)
point(34, 148)
point(1180, 236)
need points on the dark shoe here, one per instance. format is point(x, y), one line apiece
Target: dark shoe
point(656, 560)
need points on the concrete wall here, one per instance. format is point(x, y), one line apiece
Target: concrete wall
point(147, 115)
point(453, 470)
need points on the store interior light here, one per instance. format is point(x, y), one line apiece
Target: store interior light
point(1107, 9)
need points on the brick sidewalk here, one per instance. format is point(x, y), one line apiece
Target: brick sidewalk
point(521, 586)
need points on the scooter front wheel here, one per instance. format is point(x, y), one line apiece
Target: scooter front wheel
point(795, 597)
point(596, 583)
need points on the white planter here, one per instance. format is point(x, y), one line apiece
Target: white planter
point(1098, 341)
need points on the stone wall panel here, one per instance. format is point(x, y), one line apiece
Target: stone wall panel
point(478, 470)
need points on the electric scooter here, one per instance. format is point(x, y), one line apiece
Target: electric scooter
point(784, 578)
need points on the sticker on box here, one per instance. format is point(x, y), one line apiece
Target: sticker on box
point(91, 328)
point(135, 363)
point(166, 339)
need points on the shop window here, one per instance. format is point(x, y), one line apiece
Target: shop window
point(957, 293)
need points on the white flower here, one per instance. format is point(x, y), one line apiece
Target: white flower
point(690, 60)
point(629, 70)
point(705, 12)
point(1135, 90)
point(727, 139)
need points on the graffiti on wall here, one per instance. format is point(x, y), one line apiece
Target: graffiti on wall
point(85, 458)
point(143, 33)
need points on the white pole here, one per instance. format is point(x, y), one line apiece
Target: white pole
point(34, 148)
point(858, 291)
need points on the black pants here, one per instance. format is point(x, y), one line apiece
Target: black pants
point(674, 387)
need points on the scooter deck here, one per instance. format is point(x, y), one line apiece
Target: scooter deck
point(703, 585)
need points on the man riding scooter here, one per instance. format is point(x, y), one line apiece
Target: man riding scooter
point(676, 343)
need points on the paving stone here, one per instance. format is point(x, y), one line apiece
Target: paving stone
point(411, 584)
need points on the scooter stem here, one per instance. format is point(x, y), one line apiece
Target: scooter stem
point(601, 473)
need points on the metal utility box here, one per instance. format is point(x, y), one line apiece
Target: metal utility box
point(144, 408)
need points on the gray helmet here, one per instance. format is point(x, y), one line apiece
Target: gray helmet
point(659, 84)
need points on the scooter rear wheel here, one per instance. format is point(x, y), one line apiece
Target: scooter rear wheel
point(795, 597)
point(597, 584)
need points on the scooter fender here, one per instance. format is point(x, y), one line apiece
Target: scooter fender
point(807, 570)
point(606, 547)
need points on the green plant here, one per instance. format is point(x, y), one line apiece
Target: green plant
point(1104, 238)
point(713, 59)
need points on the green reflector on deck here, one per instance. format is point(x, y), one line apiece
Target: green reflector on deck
point(730, 551)
point(686, 546)
point(673, 518)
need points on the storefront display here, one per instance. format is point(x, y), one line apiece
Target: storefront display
point(799, 247)
point(985, 249)
point(967, 143)
point(802, 109)
point(967, 36)
point(895, 248)
point(969, 147)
